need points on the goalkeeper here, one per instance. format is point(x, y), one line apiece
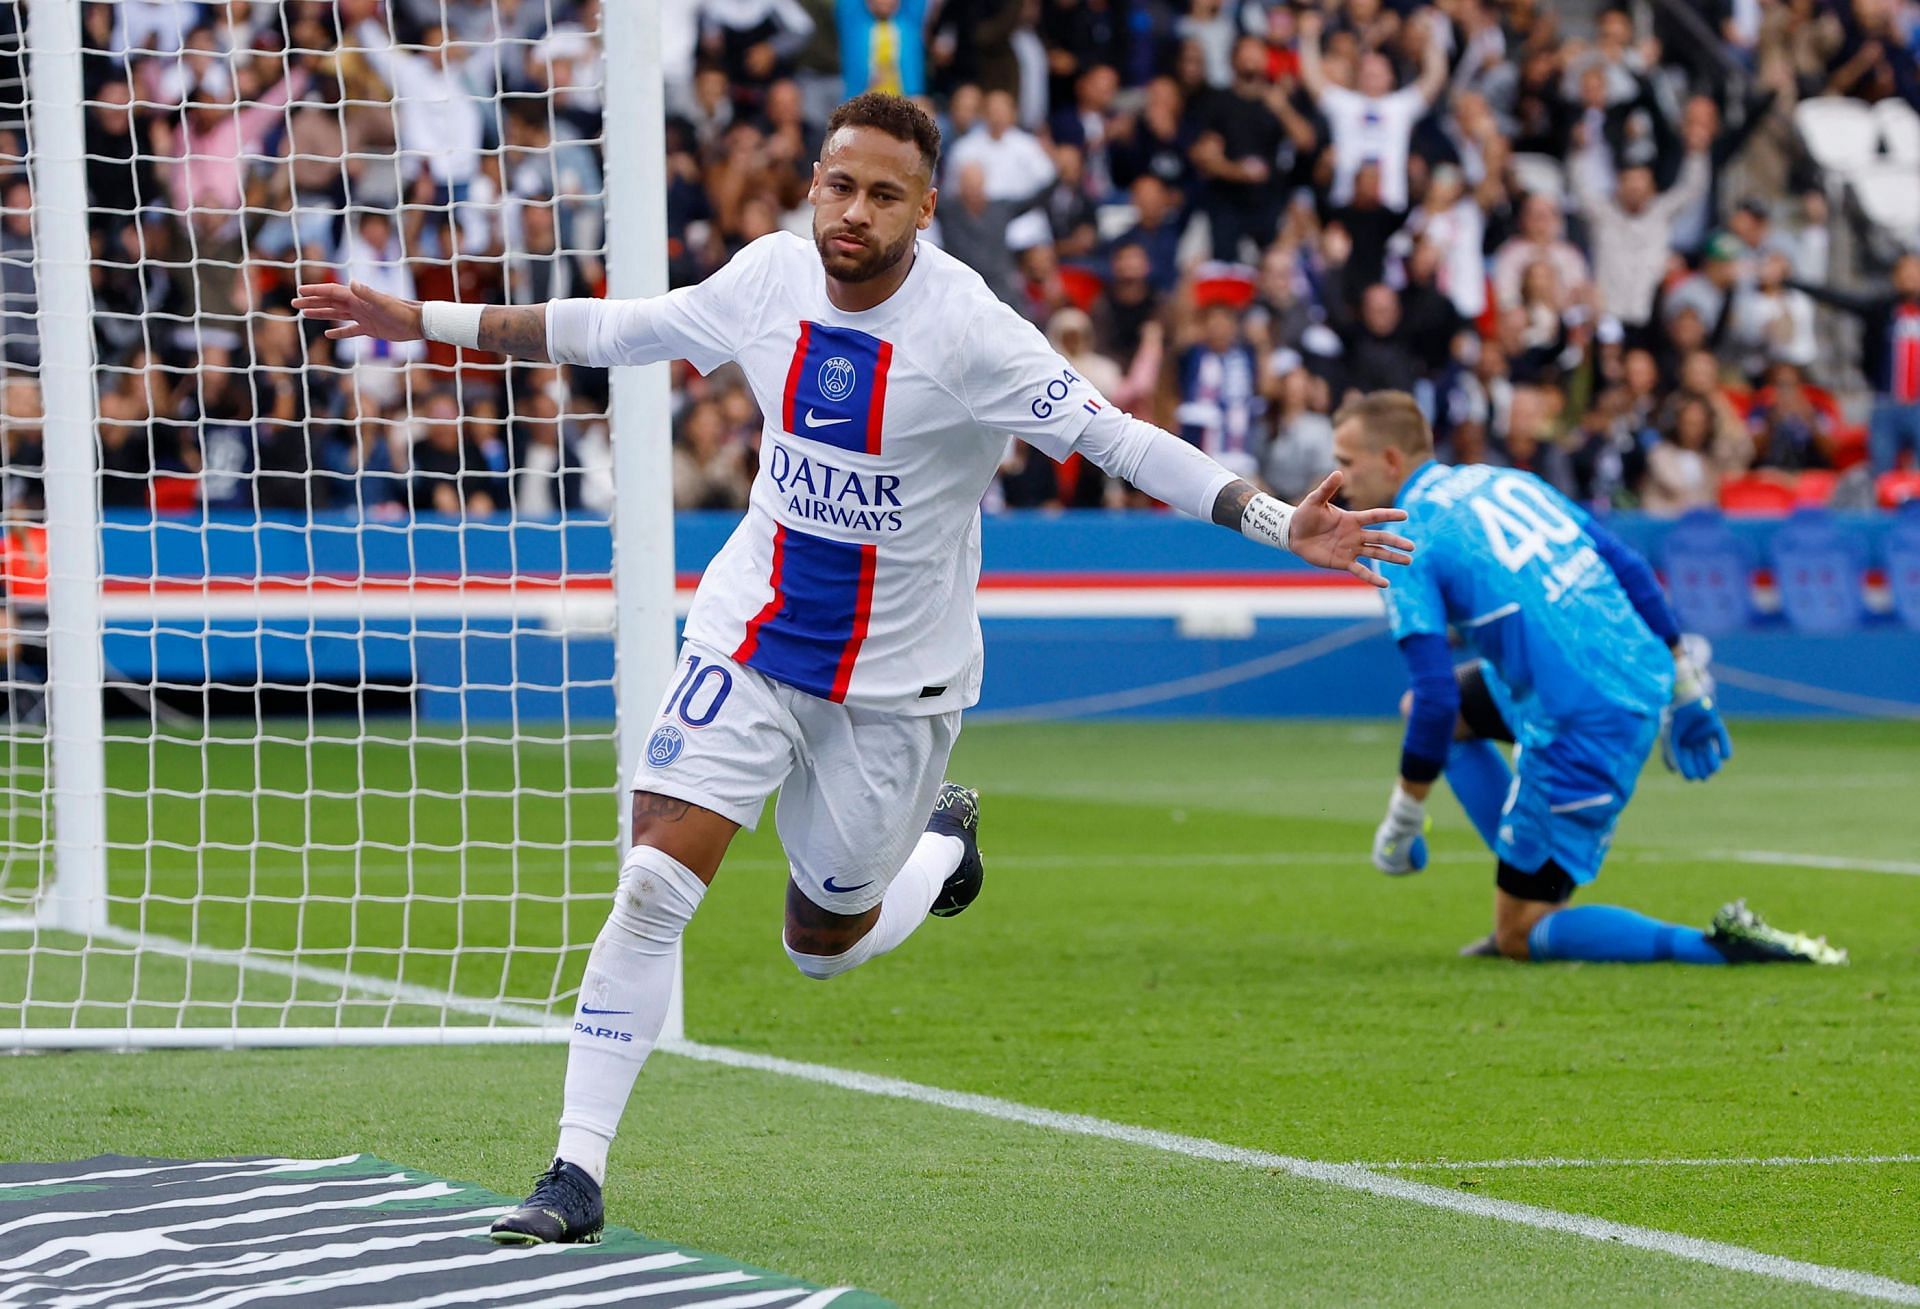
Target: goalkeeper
point(1581, 667)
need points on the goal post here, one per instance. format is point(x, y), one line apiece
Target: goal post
point(344, 656)
point(637, 267)
point(56, 142)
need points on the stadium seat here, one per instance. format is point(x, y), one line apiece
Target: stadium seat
point(175, 495)
point(1889, 197)
point(1083, 286)
point(1709, 574)
point(1817, 565)
point(1839, 132)
point(1903, 565)
point(1814, 487)
point(1899, 131)
point(1756, 496)
point(1897, 488)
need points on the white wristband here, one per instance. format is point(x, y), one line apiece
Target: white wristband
point(455, 324)
point(1267, 520)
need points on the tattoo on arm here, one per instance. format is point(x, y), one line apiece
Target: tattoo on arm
point(516, 330)
point(1231, 505)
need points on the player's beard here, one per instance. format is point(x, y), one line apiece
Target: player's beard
point(865, 266)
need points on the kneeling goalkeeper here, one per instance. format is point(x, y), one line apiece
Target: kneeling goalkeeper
point(1580, 666)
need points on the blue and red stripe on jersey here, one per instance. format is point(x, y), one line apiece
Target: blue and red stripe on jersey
point(836, 390)
point(809, 634)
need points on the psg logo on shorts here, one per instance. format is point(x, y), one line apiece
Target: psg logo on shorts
point(836, 378)
point(663, 747)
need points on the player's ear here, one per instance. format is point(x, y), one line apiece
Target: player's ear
point(813, 183)
point(925, 220)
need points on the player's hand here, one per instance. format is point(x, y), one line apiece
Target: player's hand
point(1324, 534)
point(361, 311)
point(1400, 842)
point(1693, 741)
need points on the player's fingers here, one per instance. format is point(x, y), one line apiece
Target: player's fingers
point(1368, 517)
point(1385, 555)
point(1323, 492)
point(1366, 574)
point(343, 333)
point(1391, 540)
point(1726, 744)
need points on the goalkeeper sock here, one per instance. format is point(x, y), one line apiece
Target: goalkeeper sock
point(1480, 777)
point(623, 1000)
point(1604, 933)
point(914, 889)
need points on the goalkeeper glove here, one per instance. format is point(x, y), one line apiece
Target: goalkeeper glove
point(1693, 741)
point(1400, 843)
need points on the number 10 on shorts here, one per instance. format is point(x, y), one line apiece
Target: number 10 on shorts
point(701, 691)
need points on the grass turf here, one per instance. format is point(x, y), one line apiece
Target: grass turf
point(1180, 931)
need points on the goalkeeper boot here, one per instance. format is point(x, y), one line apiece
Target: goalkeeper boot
point(565, 1207)
point(1744, 938)
point(957, 813)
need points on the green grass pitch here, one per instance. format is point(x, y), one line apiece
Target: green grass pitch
point(1180, 930)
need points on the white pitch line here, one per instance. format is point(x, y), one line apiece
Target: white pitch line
point(1837, 863)
point(1352, 1177)
point(1556, 1161)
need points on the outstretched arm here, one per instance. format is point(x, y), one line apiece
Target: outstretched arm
point(1169, 469)
point(697, 323)
point(519, 331)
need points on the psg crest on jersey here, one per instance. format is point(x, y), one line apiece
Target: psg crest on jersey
point(663, 747)
point(836, 378)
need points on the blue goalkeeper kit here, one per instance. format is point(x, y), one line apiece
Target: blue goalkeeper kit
point(1550, 603)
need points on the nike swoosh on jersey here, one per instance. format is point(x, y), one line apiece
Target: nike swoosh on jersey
point(812, 421)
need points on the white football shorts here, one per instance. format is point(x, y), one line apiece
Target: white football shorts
point(856, 785)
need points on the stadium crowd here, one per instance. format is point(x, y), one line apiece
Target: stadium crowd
point(1601, 257)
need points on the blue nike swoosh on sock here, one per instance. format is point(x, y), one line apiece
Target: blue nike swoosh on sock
point(585, 1010)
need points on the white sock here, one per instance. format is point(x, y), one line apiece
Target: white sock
point(623, 1001)
point(915, 887)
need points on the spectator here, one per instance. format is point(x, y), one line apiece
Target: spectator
point(1129, 303)
point(1220, 401)
point(1157, 140)
point(974, 230)
point(1541, 238)
point(440, 123)
point(1372, 123)
point(19, 284)
point(450, 472)
point(1792, 428)
point(1014, 165)
point(1379, 353)
point(883, 46)
point(708, 471)
point(1772, 322)
point(1157, 229)
point(1300, 452)
point(1889, 356)
point(1235, 152)
point(1684, 471)
point(1632, 232)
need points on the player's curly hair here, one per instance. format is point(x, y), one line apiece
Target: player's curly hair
point(897, 116)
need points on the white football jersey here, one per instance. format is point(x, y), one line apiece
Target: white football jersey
point(852, 575)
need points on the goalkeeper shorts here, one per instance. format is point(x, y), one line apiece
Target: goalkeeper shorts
point(856, 785)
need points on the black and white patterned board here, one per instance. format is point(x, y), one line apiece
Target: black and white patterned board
point(125, 1233)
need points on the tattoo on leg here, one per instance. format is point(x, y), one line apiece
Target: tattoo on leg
point(649, 807)
point(1231, 505)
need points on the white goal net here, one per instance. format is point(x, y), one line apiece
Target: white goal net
point(311, 674)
